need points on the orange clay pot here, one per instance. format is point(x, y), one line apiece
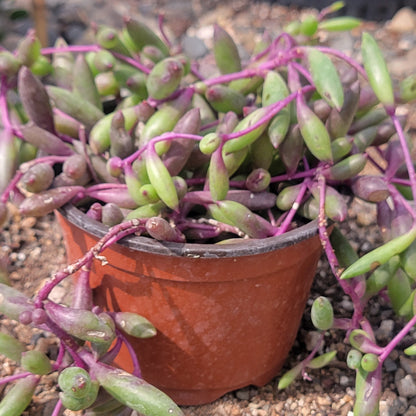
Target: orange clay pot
point(226, 315)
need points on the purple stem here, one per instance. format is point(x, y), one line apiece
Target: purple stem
point(83, 139)
point(273, 47)
point(393, 343)
point(4, 110)
point(292, 212)
point(162, 30)
point(400, 181)
point(114, 234)
point(332, 259)
point(60, 357)
point(344, 57)
point(82, 296)
point(310, 357)
point(70, 48)
point(225, 79)
point(70, 344)
point(57, 408)
point(110, 356)
point(132, 62)
point(136, 366)
point(165, 136)
point(407, 156)
point(300, 175)
point(302, 70)
point(273, 110)
point(397, 195)
point(23, 168)
point(14, 377)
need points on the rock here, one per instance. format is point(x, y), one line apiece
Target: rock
point(411, 411)
point(403, 21)
point(387, 404)
point(385, 330)
point(344, 381)
point(390, 365)
point(406, 386)
point(311, 339)
point(408, 365)
point(194, 47)
point(243, 394)
point(391, 405)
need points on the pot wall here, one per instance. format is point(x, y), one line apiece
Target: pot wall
point(223, 323)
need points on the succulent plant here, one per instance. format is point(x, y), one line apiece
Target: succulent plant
point(130, 131)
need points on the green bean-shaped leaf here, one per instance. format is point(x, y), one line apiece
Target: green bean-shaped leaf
point(248, 138)
point(347, 168)
point(75, 381)
point(376, 69)
point(322, 313)
point(9, 64)
point(368, 388)
point(35, 100)
point(226, 53)
point(369, 362)
point(134, 392)
point(161, 180)
point(79, 403)
point(345, 253)
point(19, 397)
point(134, 324)
point(289, 376)
point(36, 362)
point(399, 290)
point(223, 99)
point(164, 78)
point(313, 131)
point(146, 211)
point(408, 260)
point(11, 347)
point(340, 23)
point(322, 360)
point(83, 82)
point(380, 255)
point(354, 359)
point(381, 276)
point(238, 215)
point(71, 104)
point(13, 303)
point(141, 35)
point(218, 176)
point(326, 78)
point(410, 350)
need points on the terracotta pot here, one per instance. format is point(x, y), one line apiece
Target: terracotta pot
point(226, 315)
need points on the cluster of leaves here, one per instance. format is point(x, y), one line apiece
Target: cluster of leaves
point(134, 132)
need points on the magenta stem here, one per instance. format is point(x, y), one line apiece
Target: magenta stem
point(14, 377)
point(345, 58)
point(114, 234)
point(71, 48)
point(395, 341)
point(162, 30)
point(292, 212)
point(406, 152)
point(57, 408)
point(4, 109)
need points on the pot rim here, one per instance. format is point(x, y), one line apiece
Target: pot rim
point(247, 247)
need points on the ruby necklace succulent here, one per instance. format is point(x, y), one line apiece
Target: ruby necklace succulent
point(132, 132)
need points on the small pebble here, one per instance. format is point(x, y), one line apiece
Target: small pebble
point(406, 386)
point(408, 364)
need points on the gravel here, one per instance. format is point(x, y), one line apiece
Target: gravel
point(34, 247)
